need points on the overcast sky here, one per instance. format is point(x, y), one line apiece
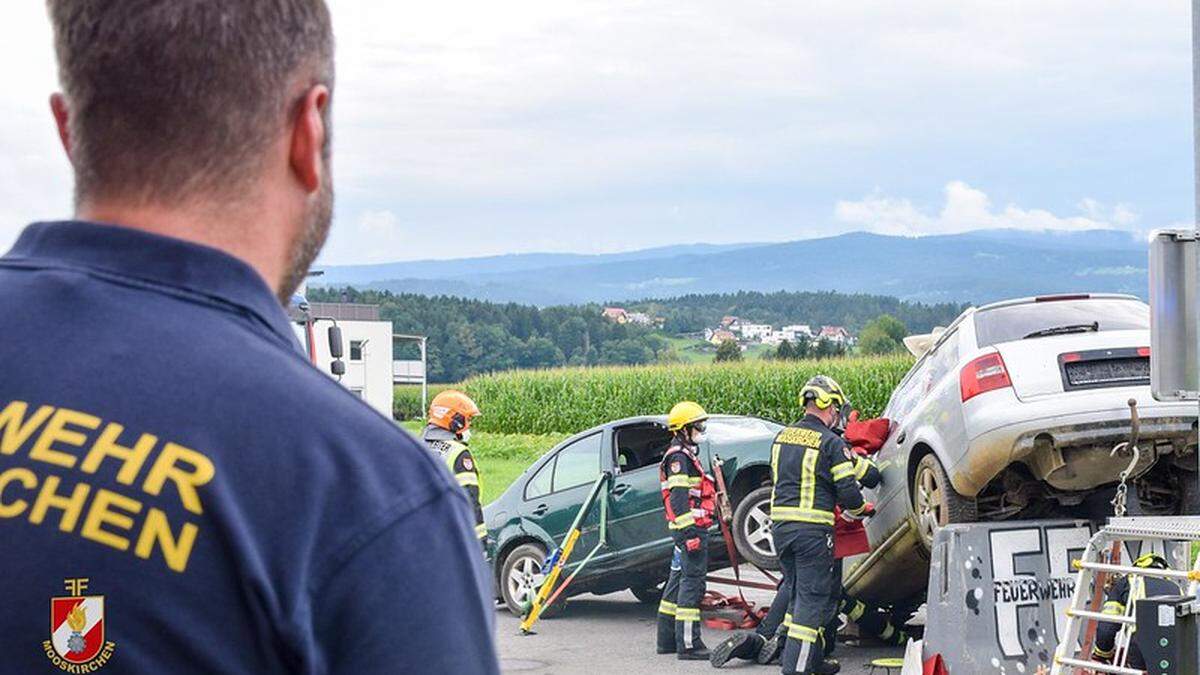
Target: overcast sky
point(482, 128)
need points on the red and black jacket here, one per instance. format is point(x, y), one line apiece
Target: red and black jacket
point(688, 493)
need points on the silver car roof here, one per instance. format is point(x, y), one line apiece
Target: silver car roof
point(1064, 296)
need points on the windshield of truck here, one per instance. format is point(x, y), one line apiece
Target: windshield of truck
point(1039, 319)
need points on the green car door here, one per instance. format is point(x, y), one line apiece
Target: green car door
point(555, 493)
point(637, 526)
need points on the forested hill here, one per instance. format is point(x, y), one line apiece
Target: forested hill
point(980, 266)
point(692, 313)
point(467, 337)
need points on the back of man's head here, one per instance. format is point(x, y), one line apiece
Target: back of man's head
point(823, 414)
point(173, 98)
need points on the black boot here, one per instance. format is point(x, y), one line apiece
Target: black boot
point(666, 634)
point(771, 649)
point(744, 645)
point(698, 652)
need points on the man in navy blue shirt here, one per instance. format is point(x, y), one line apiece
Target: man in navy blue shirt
point(180, 490)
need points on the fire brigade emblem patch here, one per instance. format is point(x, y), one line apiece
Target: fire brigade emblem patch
point(676, 467)
point(77, 630)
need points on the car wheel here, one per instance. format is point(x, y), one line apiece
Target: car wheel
point(752, 528)
point(520, 577)
point(648, 595)
point(935, 503)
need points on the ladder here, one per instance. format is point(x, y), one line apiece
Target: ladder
point(1067, 660)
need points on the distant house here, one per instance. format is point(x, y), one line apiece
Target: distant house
point(721, 335)
point(756, 331)
point(793, 334)
point(639, 318)
point(836, 334)
point(777, 337)
point(729, 322)
point(798, 330)
point(616, 315)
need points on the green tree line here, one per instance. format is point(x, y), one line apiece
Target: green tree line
point(692, 313)
point(471, 337)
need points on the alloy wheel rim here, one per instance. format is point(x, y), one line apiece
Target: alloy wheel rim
point(930, 512)
point(522, 579)
point(757, 529)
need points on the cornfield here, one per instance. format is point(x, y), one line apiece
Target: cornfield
point(568, 400)
point(406, 404)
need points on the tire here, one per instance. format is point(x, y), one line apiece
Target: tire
point(519, 575)
point(648, 595)
point(1189, 493)
point(752, 528)
point(935, 503)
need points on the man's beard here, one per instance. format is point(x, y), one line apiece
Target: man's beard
point(309, 242)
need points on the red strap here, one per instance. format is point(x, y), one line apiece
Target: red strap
point(714, 602)
point(730, 549)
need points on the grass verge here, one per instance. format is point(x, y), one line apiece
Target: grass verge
point(502, 458)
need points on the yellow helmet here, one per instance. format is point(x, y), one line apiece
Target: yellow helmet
point(823, 391)
point(685, 413)
point(1151, 560)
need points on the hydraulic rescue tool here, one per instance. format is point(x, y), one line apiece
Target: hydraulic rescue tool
point(553, 566)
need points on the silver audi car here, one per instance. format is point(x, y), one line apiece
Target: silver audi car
point(1011, 412)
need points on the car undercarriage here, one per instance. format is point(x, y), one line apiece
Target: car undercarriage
point(1166, 486)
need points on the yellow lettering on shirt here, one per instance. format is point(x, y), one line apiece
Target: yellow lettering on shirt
point(158, 531)
point(168, 466)
point(85, 444)
point(795, 436)
point(48, 498)
point(15, 507)
point(57, 431)
point(131, 459)
point(16, 429)
point(101, 513)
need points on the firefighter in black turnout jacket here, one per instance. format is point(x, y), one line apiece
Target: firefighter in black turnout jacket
point(447, 435)
point(690, 498)
point(813, 471)
point(766, 642)
point(1124, 592)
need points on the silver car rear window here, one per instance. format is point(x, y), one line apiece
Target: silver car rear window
point(1014, 322)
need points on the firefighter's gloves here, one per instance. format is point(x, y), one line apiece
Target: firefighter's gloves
point(865, 511)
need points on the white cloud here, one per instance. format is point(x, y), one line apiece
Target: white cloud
point(966, 208)
point(583, 125)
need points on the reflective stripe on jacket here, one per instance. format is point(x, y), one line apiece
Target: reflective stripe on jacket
point(812, 471)
point(689, 495)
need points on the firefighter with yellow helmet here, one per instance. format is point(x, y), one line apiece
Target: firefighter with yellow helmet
point(813, 471)
point(689, 495)
point(447, 434)
point(1126, 591)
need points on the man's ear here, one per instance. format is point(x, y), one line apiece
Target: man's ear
point(308, 138)
point(62, 120)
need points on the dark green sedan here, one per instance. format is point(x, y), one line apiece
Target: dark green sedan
point(533, 515)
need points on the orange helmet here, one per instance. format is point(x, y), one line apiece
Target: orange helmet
point(452, 410)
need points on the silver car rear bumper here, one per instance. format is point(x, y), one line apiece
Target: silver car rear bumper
point(1071, 452)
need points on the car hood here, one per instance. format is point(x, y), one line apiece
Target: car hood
point(1033, 364)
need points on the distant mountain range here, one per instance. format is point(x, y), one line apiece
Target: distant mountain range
point(977, 267)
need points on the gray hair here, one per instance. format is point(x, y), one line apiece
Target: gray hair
point(171, 99)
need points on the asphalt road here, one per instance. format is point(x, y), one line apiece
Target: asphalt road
point(615, 634)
